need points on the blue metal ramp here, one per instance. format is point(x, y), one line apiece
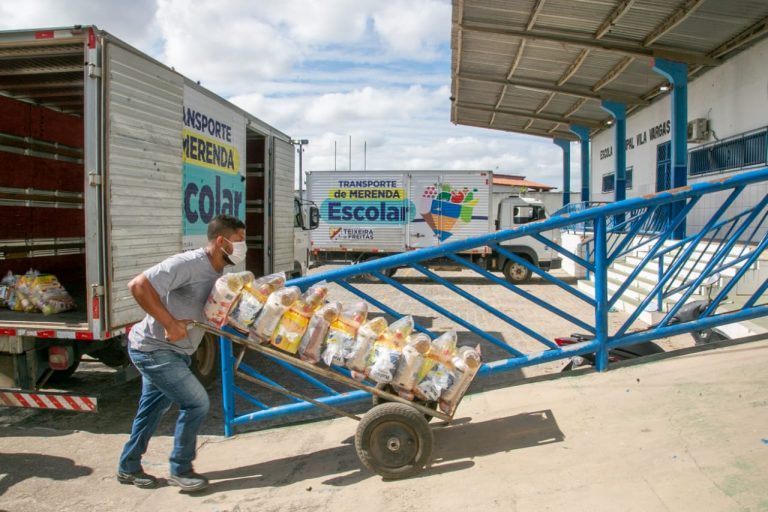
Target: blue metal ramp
point(729, 247)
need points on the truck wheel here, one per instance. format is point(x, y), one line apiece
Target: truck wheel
point(370, 278)
point(115, 354)
point(516, 273)
point(394, 441)
point(205, 360)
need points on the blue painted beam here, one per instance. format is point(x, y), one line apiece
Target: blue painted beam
point(677, 74)
point(619, 113)
point(583, 133)
point(565, 145)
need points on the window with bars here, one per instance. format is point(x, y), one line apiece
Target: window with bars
point(609, 183)
point(745, 150)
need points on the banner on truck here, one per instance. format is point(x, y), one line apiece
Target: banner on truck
point(213, 156)
point(381, 201)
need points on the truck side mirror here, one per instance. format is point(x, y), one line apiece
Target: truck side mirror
point(314, 217)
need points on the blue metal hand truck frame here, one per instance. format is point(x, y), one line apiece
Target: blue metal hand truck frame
point(393, 439)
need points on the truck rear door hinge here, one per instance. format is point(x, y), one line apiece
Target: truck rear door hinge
point(94, 71)
point(97, 290)
point(94, 179)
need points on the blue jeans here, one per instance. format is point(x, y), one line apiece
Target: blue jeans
point(166, 380)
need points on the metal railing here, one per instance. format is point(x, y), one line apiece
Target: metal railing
point(726, 244)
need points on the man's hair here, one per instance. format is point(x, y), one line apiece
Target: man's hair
point(224, 225)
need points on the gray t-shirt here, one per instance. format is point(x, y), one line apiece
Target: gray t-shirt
point(183, 283)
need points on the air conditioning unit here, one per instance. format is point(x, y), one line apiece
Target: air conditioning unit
point(698, 130)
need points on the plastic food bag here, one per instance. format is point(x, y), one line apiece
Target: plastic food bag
point(356, 358)
point(343, 332)
point(252, 298)
point(441, 350)
point(414, 354)
point(466, 363)
point(289, 331)
point(388, 349)
point(434, 375)
point(7, 289)
point(436, 381)
point(312, 342)
point(223, 294)
point(277, 303)
point(49, 296)
point(22, 300)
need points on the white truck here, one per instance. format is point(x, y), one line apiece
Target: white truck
point(371, 214)
point(110, 162)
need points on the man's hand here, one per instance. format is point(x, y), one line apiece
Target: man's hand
point(146, 296)
point(176, 330)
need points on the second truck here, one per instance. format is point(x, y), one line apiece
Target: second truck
point(372, 214)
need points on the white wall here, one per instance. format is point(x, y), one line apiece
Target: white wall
point(733, 96)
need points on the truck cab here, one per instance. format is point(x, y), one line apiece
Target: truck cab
point(513, 212)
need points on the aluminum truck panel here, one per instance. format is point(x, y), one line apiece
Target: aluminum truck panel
point(144, 184)
point(282, 186)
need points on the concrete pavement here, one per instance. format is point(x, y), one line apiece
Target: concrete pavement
point(685, 433)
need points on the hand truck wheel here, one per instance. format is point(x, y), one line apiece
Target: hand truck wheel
point(394, 441)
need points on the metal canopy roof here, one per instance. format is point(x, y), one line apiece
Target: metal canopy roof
point(537, 66)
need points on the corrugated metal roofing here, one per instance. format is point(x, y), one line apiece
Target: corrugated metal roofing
point(536, 66)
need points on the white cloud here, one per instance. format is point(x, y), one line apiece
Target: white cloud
point(413, 29)
point(131, 21)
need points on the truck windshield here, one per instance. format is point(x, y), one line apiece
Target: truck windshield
point(526, 214)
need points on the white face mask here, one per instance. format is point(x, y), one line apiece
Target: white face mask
point(239, 249)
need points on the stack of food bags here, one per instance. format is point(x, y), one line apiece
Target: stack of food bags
point(342, 335)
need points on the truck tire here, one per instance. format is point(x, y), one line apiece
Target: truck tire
point(516, 273)
point(205, 360)
point(370, 278)
point(115, 354)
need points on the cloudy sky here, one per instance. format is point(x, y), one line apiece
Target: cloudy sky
point(377, 71)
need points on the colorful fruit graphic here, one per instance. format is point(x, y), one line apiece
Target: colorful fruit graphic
point(443, 206)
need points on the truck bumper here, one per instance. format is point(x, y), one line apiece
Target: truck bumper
point(552, 264)
point(47, 400)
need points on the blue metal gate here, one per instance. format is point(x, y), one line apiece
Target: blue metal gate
point(729, 244)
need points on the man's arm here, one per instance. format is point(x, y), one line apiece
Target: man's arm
point(146, 296)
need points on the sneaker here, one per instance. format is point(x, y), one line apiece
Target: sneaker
point(139, 479)
point(189, 481)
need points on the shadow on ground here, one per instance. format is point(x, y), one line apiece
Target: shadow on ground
point(21, 466)
point(455, 447)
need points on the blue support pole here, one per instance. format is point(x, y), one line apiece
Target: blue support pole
point(677, 74)
point(619, 113)
point(601, 295)
point(227, 385)
point(565, 145)
point(583, 133)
